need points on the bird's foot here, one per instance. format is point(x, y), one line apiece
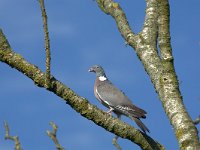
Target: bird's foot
point(110, 111)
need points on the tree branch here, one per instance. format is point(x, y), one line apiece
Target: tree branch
point(169, 93)
point(78, 103)
point(164, 31)
point(47, 44)
point(13, 138)
point(114, 142)
point(150, 27)
point(53, 136)
point(146, 51)
point(161, 71)
point(114, 9)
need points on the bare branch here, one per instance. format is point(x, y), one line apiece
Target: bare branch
point(146, 49)
point(13, 138)
point(114, 9)
point(47, 44)
point(115, 143)
point(150, 27)
point(78, 103)
point(52, 135)
point(164, 31)
point(161, 71)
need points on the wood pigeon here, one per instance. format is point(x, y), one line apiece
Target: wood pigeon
point(114, 99)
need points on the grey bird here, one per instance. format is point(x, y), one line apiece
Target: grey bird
point(114, 99)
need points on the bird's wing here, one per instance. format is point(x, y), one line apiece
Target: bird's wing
point(118, 100)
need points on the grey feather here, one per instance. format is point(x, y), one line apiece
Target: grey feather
point(140, 124)
point(118, 100)
point(114, 99)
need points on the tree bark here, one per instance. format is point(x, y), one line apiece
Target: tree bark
point(79, 104)
point(160, 68)
point(153, 47)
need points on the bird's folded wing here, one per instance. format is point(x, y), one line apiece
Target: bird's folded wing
point(118, 100)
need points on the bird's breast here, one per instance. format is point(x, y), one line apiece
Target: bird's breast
point(105, 103)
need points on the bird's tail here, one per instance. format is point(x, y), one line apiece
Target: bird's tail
point(140, 124)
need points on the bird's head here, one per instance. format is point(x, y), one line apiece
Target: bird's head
point(98, 70)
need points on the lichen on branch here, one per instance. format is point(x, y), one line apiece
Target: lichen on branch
point(78, 103)
point(158, 65)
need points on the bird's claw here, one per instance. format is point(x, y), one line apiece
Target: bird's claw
point(110, 111)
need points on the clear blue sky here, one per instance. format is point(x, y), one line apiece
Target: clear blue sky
point(82, 35)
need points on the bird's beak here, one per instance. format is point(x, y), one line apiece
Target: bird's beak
point(91, 70)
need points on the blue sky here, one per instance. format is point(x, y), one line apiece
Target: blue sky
point(81, 36)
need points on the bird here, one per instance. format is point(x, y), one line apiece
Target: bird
point(115, 100)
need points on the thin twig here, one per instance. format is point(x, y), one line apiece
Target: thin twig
point(114, 142)
point(47, 44)
point(13, 138)
point(52, 135)
point(197, 120)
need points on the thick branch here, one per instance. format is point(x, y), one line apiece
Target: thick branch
point(114, 9)
point(169, 93)
point(146, 51)
point(47, 44)
point(160, 71)
point(164, 31)
point(78, 103)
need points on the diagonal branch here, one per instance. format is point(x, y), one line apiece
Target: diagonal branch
point(161, 71)
point(81, 105)
point(145, 50)
point(169, 93)
point(114, 9)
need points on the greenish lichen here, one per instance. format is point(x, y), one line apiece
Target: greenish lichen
point(101, 6)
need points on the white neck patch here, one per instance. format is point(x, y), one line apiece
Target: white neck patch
point(102, 78)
